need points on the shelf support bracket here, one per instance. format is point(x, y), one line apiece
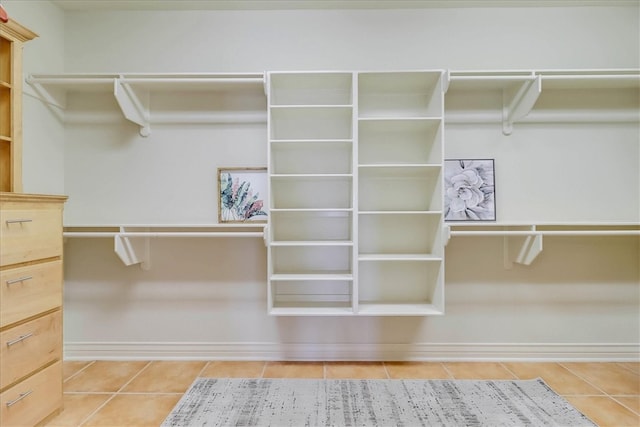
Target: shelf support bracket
point(133, 250)
point(134, 106)
point(522, 249)
point(55, 100)
point(518, 101)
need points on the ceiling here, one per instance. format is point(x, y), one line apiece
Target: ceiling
point(320, 4)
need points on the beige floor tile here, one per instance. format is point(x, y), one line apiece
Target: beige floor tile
point(604, 411)
point(229, 369)
point(478, 371)
point(104, 376)
point(416, 370)
point(632, 366)
point(365, 370)
point(631, 402)
point(610, 377)
point(70, 368)
point(77, 407)
point(294, 370)
point(134, 410)
point(556, 376)
point(165, 377)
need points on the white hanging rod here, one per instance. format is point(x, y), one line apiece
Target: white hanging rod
point(493, 78)
point(62, 80)
point(169, 80)
point(69, 80)
point(546, 233)
point(631, 77)
point(91, 234)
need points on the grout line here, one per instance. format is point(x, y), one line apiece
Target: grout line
point(585, 380)
point(625, 406)
point(78, 371)
point(384, 366)
point(444, 366)
point(86, 419)
point(91, 414)
point(135, 376)
point(515, 376)
point(206, 365)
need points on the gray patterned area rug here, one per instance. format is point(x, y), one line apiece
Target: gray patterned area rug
point(410, 403)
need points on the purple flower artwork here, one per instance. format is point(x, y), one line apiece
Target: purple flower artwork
point(242, 195)
point(469, 193)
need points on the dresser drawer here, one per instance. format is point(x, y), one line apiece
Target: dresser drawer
point(32, 400)
point(29, 290)
point(28, 346)
point(30, 234)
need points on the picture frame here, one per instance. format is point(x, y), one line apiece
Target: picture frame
point(242, 195)
point(469, 193)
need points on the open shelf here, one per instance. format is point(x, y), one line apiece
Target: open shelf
point(408, 234)
point(313, 88)
point(400, 188)
point(312, 226)
point(405, 141)
point(313, 192)
point(399, 94)
point(310, 122)
point(400, 287)
point(312, 157)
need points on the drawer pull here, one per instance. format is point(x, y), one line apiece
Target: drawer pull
point(19, 280)
point(19, 339)
point(18, 221)
point(19, 398)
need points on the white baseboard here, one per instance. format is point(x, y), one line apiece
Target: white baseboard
point(353, 352)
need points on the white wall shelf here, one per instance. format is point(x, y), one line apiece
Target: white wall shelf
point(143, 98)
point(355, 165)
point(522, 243)
point(542, 96)
point(132, 242)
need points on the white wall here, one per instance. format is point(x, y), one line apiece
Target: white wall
point(208, 297)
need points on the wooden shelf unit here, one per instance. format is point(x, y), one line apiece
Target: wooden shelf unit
point(12, 39)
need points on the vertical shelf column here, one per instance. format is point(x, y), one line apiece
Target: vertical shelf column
point(399, 206)
point(310, 167)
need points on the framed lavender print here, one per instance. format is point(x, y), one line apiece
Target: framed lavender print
point(242, 195)
point(469, 193)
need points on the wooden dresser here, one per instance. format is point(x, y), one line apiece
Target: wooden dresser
point(31, 279)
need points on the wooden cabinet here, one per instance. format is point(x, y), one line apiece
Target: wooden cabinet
point(12, 38)
point(355, 173)
point(31, 279)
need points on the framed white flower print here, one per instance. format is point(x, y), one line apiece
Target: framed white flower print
point(469, 190)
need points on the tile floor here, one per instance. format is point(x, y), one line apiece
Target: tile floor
point(142, 393)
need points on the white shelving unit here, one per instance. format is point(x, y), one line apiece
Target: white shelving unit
point(311, 181)
point(355, 165)
point(400, 160)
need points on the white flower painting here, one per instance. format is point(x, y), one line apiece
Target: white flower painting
point(469, 190)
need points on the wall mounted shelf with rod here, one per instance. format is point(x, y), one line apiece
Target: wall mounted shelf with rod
point(542, 96)
point(143, 98)
point(132, 242)
point(523, 242)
